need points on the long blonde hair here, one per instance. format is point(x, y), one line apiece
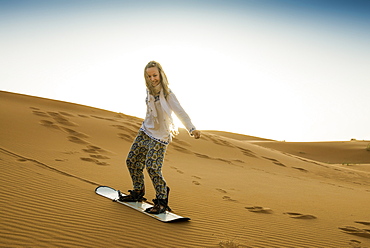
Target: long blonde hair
point(163, 77)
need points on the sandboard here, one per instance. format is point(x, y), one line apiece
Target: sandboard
point(112, 194)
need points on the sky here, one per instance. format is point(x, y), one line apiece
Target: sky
point(279, 69)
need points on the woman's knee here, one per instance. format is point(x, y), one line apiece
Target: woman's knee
point(154, 171)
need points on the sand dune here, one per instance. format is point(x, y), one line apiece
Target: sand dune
point(338, 152)
point(240, 191)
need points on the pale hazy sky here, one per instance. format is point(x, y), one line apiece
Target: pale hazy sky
point(279, 69)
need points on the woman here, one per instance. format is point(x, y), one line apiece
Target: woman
point(156, 131)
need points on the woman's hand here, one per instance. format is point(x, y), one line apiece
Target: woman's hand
point(196, 134)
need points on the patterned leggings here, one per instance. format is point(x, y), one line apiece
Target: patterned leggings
point(148, 152)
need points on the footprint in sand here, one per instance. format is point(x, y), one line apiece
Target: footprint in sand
point(94, 149)
point(223, 160)
point(258, 209)
point(77, 140)
point(213, 158)
point(363, 222)
point(66, 114)
point(247, 152)
point(126, 137)
point(275, 161)
point(365, 233)
point(120, 127)
point(103, 118)
point(202, 155)
point(300, 169)
point(40, 113)
point(355, 243)
point(280, 164)
point(228, 198)
point(60, 160)
point(217, 140)
point(99, 156)
point(222, 191)
point(300, 216)
point(129, 134)
point(75, 133)
point(177, 170)
point(181, 148)
point(196, 182)
point(22, 160)
point(225, 197)
point(61, 119)
point(238, 161)
point(95, 155)
point(96, 161)
point(49, 124)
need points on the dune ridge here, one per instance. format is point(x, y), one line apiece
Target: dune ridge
point(240, 191)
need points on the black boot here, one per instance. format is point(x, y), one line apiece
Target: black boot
point(160, 205)
point(134, 196)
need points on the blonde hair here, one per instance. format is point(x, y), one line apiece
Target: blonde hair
point(163, 77)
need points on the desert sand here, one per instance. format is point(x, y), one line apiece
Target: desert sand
point(238, 190)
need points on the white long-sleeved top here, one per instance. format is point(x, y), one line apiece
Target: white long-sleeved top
point(158, 121)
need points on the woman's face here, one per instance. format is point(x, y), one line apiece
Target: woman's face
point(153, 75)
